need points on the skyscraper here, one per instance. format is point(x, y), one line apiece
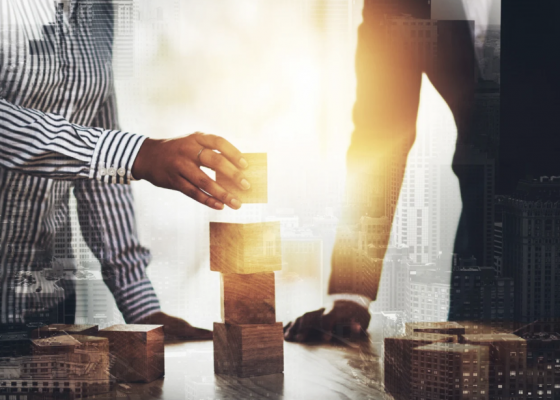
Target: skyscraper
point(531, 248)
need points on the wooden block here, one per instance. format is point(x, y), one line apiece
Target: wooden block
point(248, 299)
point(138, 350)
point(248, 350)
point(256, 174)
point(57, 329)
point(245, 248)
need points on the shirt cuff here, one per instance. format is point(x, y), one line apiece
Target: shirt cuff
point(137, 301)
point(114, 156)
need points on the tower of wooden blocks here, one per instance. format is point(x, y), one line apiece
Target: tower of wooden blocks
point(249, 341)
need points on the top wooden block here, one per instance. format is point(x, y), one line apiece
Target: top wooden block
point(245, 248)
point(256, 174)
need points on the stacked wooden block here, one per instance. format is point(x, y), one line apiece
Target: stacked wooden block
point(249, 341)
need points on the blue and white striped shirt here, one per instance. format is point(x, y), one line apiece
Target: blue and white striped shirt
point(59, 132)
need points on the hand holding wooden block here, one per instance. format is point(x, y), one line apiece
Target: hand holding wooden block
point(248, 299)
point(248, 350)
point(256, 174)
point(245, 248)
point(139, 351)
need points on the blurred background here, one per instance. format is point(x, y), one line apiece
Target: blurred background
point(275, 77)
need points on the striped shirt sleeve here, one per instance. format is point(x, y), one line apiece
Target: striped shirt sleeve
point(108, 225)
point(47, 145)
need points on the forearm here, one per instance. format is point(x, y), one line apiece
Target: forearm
point(47, 145)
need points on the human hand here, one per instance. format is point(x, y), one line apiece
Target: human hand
point(176, 328)
point(346, 318)
point(175, 164)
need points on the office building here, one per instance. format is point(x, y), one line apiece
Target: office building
point(450, 371)
point(398, 361)
point(446, 361)
point(531, 248)
point(58, 367)
point(507, 363)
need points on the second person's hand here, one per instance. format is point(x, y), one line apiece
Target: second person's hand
point(175, 164)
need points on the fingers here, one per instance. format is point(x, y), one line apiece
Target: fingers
point(291, 330)
point(218, 162)
point(199, 179)
point(194, 193)
point(223, 146)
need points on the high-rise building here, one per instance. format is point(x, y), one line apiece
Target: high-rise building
point(64, 366)
point(398, 361)
point(427, 299)
point(507, 363)
point(498, 247)
point(450, 371)
point(125, 17)
point(467, 302)
point(542, 379)
point(446, 361)
point(94, 301)
point(373, 231)
point(466, 294)
point(531, 248)
point(394, 283)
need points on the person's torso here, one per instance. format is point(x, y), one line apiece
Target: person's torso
point(55, 57)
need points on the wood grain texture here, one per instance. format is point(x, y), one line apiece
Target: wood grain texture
point(248, 299)
point(245, 248)
point(325, 371)
point(256, 174)
point(248, 350)
point(138, 350)
point(57, 329)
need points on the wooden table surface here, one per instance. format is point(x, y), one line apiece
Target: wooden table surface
point(320, 371)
